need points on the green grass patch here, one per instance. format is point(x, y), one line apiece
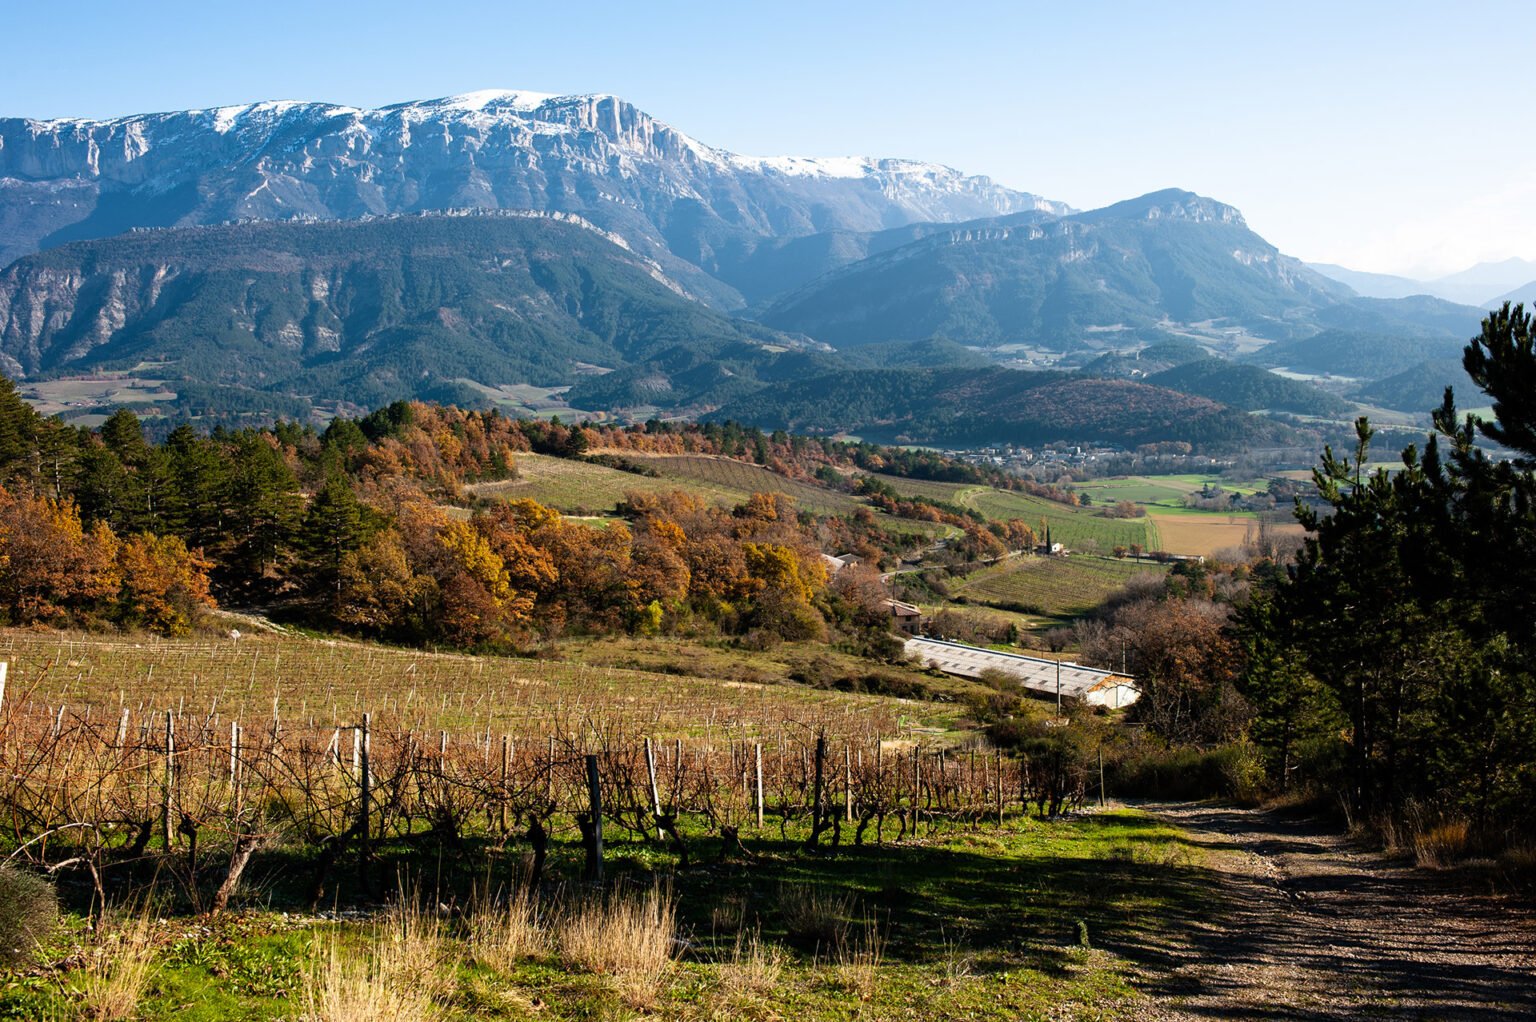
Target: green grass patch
point(1079, 528)
point(1060, 587)
point(583, 488)
point(1033, 920)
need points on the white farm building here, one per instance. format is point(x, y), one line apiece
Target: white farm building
point(1037, 674)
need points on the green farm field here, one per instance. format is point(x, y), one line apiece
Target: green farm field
point(1163, 491)
point(581, 487)
point(726, 475)
point(1081, 529)
point(1078, 528)
point(1059, 587)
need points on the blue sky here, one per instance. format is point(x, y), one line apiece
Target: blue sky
point(1391, 137)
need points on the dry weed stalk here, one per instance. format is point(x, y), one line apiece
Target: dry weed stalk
point(815, 914)
point(414, 954)
point(858, 959)
point(753, 971)
point(1442, 844)
point(343, 986)
point(626, 936)
point(118, 968)
point(502, 935)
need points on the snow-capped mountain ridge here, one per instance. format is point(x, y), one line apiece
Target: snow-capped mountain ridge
point(671, 196)
point(549, 111)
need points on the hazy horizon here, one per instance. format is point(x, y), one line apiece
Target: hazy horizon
point(1356, 137)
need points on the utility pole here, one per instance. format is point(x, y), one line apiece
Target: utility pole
point(1058, 684)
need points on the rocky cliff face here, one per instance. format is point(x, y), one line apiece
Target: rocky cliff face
point(671, 196)
point(273, 316)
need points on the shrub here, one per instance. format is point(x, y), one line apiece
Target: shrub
point(1186, 772)
point(29, 913)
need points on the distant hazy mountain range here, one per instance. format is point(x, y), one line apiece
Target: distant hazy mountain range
point(1485, 285)
point(302, 258)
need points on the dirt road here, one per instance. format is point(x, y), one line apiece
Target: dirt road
point(1317, 928)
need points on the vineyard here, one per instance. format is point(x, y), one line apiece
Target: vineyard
point(575, 486)
point(738, 477)
point(202, 754)
point(224, 779)
point(1078, 528)
point(1052, 586)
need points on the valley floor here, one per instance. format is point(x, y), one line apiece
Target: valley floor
point(1316, 928)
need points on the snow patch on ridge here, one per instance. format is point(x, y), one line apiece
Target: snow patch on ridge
point(477, 101)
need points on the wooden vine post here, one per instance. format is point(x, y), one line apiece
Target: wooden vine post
point(847, 784)
point(365, 790)
point(593, 836)
point(917, 785)
point(999, 787)
point(817, 792)
point(758, 753)
point(506, 766)
point(167, 832)
point(650, 770)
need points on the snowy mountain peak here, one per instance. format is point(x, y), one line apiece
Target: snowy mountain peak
point(521, 100)
point(226, 118)
point(700, 211)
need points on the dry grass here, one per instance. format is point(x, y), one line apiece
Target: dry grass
point(501, 935)
point(405, 973)
point(417, 956)
point(349, 987)
point(749, 983)
point(815, 915)
point(29, 912)
point(625, 936)
point(858, 959)
point(754, 969)
point(1520, 858)
point(959, 962)
point(728, 915)
point(1442, 844)
point(118, 968)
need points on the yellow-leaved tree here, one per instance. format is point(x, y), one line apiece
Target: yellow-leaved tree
point(164, 585)
point(50, 566)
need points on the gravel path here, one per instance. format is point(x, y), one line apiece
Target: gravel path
point(1315, 928)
